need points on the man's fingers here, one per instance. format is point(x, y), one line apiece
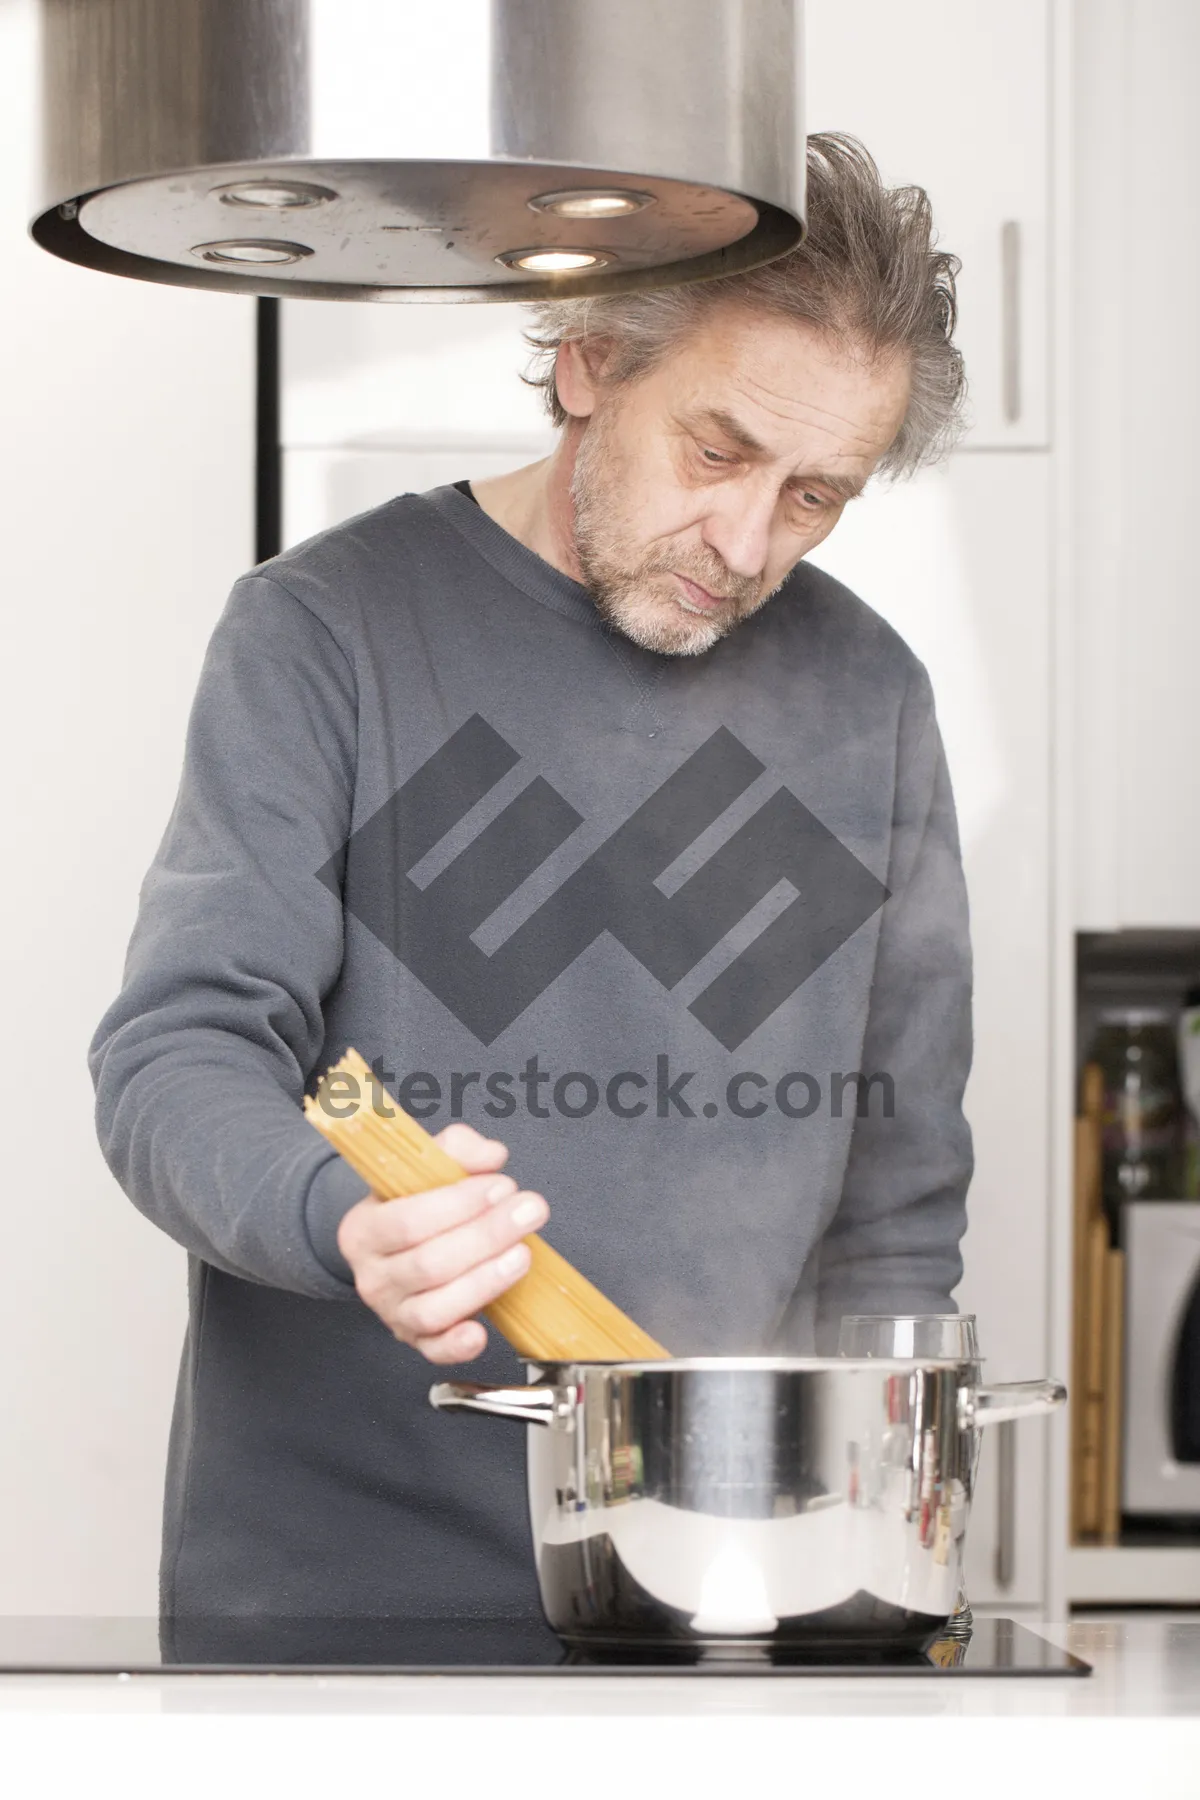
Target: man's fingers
point(442, 1259)
point(427, 1263)
point(460, 1344)
point(397, 1225)
point(475, 1152)
point(430, 1314)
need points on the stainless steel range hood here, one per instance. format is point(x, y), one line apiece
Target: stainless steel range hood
point(421, 149)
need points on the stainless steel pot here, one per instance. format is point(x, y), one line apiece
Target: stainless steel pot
point(757, 1500)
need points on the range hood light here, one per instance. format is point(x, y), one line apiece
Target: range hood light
point(273, 194)
point(184, 140)
point(592, 203)
point(555, 262)
point(252, 250)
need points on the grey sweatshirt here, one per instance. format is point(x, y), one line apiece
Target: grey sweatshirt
point(688, 933)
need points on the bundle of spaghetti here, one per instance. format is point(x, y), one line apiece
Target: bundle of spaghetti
point(553, 1314)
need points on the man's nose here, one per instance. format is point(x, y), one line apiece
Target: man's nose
point(739, 530)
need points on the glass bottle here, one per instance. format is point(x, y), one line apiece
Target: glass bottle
point(1135, 1048)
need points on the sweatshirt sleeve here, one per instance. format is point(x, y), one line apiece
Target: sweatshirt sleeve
point(201, 1061)
point(893, 1244)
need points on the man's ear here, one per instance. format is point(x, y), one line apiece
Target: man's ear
point(578, 373)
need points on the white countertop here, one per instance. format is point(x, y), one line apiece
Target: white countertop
point(1131, 1729)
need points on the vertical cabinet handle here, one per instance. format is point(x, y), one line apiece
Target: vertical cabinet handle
point(1010, 320)
point(1006, 1505)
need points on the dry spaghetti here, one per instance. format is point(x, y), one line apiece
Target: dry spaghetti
point(553, 1314)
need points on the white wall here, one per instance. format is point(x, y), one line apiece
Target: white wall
point(125, 512)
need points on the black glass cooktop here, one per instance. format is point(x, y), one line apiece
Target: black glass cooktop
point(193, 1646)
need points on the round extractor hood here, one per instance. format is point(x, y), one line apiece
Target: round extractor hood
point(421, 149)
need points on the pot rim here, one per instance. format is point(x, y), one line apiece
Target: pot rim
point(801, 1365)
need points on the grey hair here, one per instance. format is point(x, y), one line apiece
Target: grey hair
point(868, 273)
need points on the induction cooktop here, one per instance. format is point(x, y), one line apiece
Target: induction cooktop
point(296, 1646)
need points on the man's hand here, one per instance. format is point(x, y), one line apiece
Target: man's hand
point(426, 1263)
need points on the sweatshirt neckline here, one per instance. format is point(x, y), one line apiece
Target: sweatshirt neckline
point(528, 571)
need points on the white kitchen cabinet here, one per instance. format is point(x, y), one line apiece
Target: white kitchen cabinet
point(378, 377)
point(959, 560)
point(954, 96)
point(383, 400)
point(322, 487)
point(1136, 353)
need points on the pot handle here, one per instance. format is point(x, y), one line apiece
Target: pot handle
point(528, 1405)
point(1015, 1400)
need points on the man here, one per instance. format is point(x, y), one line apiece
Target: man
point(593, 815)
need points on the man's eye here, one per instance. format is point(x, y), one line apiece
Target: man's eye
point(713, 457)
point(812, 502)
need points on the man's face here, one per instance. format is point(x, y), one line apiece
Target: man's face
point(699, 486)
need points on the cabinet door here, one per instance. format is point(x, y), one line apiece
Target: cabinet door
point(383, 400)
point(386, 377)
point(953, 96)
point(1135, 398)
point(958, 560)
point(323, 487)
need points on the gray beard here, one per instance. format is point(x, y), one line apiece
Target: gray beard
point(621, 596)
